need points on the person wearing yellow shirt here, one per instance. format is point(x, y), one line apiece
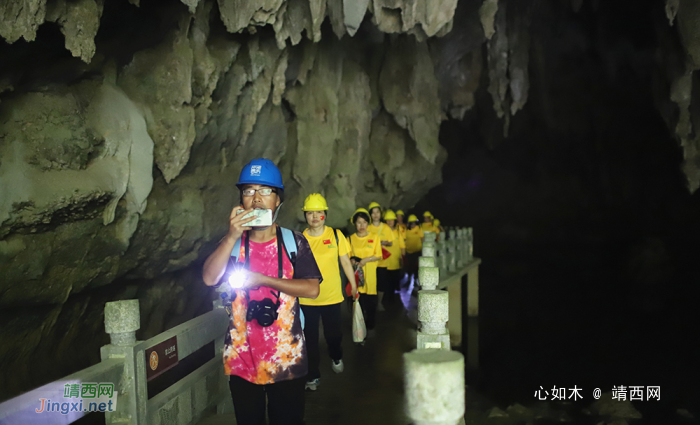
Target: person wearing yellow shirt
point(436, 224)
point(387, 239)
point(427, 224)
point(414, 244)
point(394, 262)
point(328, 246)
point(400, 222)
point(365, 252)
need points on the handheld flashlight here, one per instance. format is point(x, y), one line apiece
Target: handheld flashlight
point(237, 278)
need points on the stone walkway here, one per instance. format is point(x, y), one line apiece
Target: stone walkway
point(370, 390)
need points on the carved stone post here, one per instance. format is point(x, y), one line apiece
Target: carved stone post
point(429, 277)
point(434, 386)
point(429, 244)
point(425, 262)
point(433, 312)
point(122, 320)
point(470, 244)
point(428, 249)
point(459, 248)
point(451, 260)
point(442, 256)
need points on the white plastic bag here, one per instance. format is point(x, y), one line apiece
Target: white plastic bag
point(359, 330)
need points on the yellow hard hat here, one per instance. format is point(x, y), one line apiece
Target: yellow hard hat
point(436, 222)
point(400, 212)
point(427, 214)
point(352, 219)
point(374, 205)
point(315, 202)
point(412, 217)
point(389, 215)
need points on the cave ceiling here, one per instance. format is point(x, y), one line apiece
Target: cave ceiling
point(124, 124)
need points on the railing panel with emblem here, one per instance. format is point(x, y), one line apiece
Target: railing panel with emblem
point(189, 399)
point(124, 363)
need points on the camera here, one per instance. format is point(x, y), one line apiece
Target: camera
point(263, 308)
point(264, 311)
point(264, 217)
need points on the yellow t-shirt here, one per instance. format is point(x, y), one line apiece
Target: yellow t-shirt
point(369, 246)
point(326, 254)
point(394, 262)
point(385, 234)
point(402, 230)
point(428, 227)
point(413, 240)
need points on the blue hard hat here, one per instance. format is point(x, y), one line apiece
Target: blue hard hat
point(261, 171)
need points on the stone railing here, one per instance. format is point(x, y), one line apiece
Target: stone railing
point(124, 363)
point(434, 373)
point(433, 304)
point(449, 265)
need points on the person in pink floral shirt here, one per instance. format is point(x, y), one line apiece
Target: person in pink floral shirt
point(265, 350)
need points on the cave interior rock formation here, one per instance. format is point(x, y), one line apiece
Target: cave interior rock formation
point(123, 126)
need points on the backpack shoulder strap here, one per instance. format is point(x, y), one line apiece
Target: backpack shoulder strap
point(337, 242)
point(290, 244)
point(236, 250)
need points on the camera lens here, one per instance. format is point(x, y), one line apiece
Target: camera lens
point(265, 312)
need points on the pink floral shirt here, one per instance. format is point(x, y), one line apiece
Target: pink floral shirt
point(264, 355)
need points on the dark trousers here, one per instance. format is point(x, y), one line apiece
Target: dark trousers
point(412, 263)
point(382, 279)
point(285, 401)
point(369, 309)
point(332, 331)
point(393, 284)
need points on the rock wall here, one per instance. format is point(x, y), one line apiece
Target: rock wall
point(119, 150)
point(681, 74)
point(78, 158)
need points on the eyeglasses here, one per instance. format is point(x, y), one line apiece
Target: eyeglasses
point(266, 191)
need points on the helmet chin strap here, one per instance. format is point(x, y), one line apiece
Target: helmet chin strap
point(274, 218)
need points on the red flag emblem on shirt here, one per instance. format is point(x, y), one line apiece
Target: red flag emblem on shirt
point(371, 241)
point(327, 242)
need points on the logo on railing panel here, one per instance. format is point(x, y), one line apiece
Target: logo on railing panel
point(153, 360)
point(161, 357)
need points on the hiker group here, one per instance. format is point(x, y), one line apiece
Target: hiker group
point(279, 285)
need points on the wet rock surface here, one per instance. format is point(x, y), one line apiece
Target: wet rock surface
point(118, 160)
point(123, 126)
